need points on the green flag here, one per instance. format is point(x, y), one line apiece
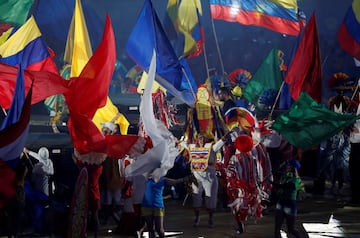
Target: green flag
point(268, 76)
point(15, 11)
point(308, 123)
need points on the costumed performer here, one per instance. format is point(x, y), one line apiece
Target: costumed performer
point(202, 165)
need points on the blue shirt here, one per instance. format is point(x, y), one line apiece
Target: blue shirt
point(153, 193)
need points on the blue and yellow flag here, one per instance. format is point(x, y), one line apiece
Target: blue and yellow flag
point(171, 73)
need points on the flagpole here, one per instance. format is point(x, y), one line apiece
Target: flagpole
point(217, 47)
point(4, 111)
point(353, 95)
point(276, 100)
point(206, 62)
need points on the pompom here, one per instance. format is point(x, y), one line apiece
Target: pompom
point(244, 143)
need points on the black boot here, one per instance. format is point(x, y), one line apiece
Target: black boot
point(197, 217)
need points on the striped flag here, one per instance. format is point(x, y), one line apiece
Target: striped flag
point(276, 15)
point(349, 32)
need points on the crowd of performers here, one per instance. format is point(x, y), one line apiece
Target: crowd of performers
point(225, 157)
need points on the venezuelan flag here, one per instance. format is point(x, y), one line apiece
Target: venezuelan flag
point(276, 15)
point(349, 32)
point(26, 46)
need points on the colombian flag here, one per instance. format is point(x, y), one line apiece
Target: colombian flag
point(26, 46)
point(349, 32)
point(276, 15)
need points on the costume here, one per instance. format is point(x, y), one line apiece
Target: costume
point(42, 170)
point(286, 208)
point(354, 161)
point(249, 178)
point(202, 164)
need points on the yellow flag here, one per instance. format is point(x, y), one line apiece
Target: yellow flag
point(78, 51)
point(5, 35)
point(110, 113)
point(142, 84)
point(78, 48)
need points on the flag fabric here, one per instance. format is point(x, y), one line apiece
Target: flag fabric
point(268, 76)
point(89, 92)
point(15, 11)
point(78, 48)
point(159, 159)
point(78, 52)
point(349, 31)
point(5, 34)
point(110, 113)
point(26, 46)
point(277, 15)
point(305, 74)
point(17, 102)
point(185, 17)
point(172, 73)
point(15, 130)
point(308, 123)
point(45, 84)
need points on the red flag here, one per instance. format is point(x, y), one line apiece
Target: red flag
point(304, 73)
point(89, 92)
point(45, 84)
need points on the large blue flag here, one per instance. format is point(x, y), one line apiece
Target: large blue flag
point(172, 74)
point(15, 127)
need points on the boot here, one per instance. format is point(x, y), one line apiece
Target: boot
point(211, 221)
point(197, 217)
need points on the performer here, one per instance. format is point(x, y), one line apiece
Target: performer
point(286, 207)
point(202, 164)
point(248, 172)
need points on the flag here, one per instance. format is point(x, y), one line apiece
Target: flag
point(110, 113)
point(173, 74)
point(78, 48)
point(26, 46)
point(15, 129)
point(277, 15)
point(89, 92)
point(54, 17)
point(304, 74)
point(15, 11)
point(309, 123)
point(5, 34)
point(77, 52)
point(349, 32)
point(268, 76)
point(185, 17)
point(17, 101)
point(159, 159)
point(44, 83)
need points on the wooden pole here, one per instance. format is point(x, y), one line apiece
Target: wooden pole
point(276, 100)
point(217, 47)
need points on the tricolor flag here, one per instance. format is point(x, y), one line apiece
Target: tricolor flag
point(349, 32)
point(276, 15)
point(26, 46)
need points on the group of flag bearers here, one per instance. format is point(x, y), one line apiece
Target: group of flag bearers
point(247, 169)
